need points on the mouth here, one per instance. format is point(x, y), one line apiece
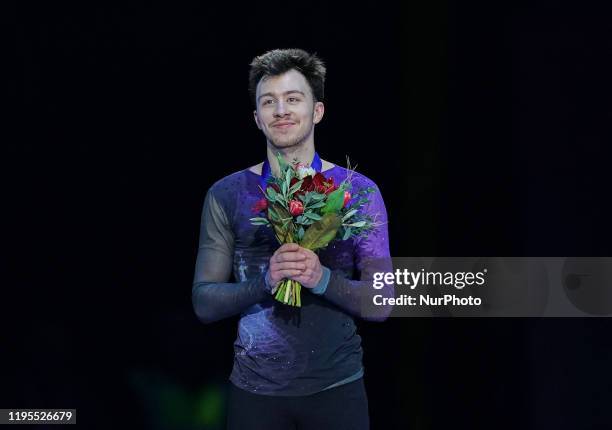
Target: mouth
point(284, 125)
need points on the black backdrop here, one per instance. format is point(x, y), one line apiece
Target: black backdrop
point(485, 124)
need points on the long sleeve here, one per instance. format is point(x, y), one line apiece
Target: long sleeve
point(213, 297)
point(371, 256)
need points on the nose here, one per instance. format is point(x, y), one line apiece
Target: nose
point(281, 109)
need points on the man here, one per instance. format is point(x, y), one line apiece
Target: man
point(293, 365)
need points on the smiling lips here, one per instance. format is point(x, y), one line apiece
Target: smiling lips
point(283, 125)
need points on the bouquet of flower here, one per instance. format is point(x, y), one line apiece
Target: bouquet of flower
point(305, 207)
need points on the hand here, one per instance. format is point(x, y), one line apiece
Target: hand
point(297, 263)
point(313, 272)
point(286, 262)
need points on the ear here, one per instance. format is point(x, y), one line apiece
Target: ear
point(256, 119)
point(319, 110)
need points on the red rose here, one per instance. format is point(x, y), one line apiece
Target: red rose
point(323, 185)
point(330, 186)
point(318, 183)
point(307, 185)
point(260, 205)
point(296, 207)
point(347, 197)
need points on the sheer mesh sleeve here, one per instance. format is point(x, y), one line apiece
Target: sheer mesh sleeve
point(213, 297)
point(371, 255)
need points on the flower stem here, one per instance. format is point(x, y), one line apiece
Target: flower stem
point(289, 293)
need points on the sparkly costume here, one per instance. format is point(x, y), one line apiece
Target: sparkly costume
point(283, 350)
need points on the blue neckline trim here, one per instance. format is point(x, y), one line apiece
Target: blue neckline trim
point(266, 171)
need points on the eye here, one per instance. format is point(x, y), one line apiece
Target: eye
point(267, 101)
point(293, 99)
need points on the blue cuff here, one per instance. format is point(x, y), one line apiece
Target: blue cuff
point(322, 285)
point(268, 286)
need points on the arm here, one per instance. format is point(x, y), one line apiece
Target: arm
point(371, 256)
point(213, 297)
point(356, 296)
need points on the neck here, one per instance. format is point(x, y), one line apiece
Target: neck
point(303, 153)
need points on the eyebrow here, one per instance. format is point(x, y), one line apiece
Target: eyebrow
point(285, 93)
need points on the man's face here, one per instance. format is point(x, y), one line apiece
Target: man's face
point(286, 112)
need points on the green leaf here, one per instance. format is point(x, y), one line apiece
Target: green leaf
point(317, 205)
point(312, 216)
point(347, 233)
point(307, 198)
point(295, 187)
point(349, 214)
point(282, 212)
point(320, 233)
point(288, 175)
point(271, 192)
point(282, 164)
point(272, 215)
point(316, 196)
point(335, 201)
point(357, 224)
point(360, 203)
point(300, 233)
point(259, 221)
point(364, 191)
point(281, 220)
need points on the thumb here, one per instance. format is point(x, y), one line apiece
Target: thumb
point(289, 247)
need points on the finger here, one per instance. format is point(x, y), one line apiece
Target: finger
point(306, 251)
point(303, 280)
point(289, 247)
point(305, 273)
point(287, 273)
point(309, 255)
point(289, 256)
point(290, 265)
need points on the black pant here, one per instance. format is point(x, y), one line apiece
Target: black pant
point(343, 407)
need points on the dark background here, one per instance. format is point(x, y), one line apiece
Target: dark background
point(485, 124)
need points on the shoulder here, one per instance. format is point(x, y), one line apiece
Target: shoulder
point(229, 184)
point(364, 187)
point(225, 192)
point(357, 179)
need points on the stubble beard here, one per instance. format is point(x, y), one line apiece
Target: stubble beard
point(283, 144)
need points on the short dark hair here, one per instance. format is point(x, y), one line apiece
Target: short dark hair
point(279, 61)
